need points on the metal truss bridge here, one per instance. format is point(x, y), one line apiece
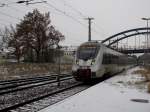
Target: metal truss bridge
point(114, 39)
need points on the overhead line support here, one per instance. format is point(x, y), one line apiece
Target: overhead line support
point(89, 27)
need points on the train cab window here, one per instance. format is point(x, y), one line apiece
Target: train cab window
point(87, 52)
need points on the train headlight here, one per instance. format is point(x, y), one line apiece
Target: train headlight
point(93, 62)
point(77, 62)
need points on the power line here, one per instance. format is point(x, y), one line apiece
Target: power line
point(80, 13)
point(27, 2)
point(65, 14)
point(9, 15)
point(4, 20)
point(58, 10)
point(18, 10)
point(10, 6)
point(77, 11)
point(6, 4)
point(98, 27)
point(15, 9)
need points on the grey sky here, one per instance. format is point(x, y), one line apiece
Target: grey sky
point(111, 16)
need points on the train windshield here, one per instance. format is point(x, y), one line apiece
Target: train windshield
point(87, 52)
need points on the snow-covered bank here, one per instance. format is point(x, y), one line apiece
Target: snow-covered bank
point(129, 79)
point(118, 94)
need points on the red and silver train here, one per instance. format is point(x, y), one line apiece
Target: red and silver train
point(94, 60)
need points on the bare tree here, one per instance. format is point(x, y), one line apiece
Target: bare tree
point(17, 43)
point(37, 33)
point(6, 35)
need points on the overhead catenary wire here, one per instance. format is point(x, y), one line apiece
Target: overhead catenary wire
point(82, 15)
point(66, 14)
point(76, 10)
point(52, 7)
point(27, 2)
point(55, 9)
point(6, 4)
point(12, 6)
point(9, 15)
point(15, 9)
point(99, 28)
point(73, 18)
point(70, 16)
point(4, 20)
point(63, 12)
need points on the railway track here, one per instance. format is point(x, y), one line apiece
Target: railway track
point(40, 97)
point(30, 85)
point(53, 91)
point(22, 82)
point(4, 85)
point(50, 100)
point(15, 81)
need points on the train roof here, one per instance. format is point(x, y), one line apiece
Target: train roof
point(91, 43)
point(110, 50)
point(96, 43)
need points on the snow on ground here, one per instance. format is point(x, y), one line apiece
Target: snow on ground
point(129, 80)
point(118, 94)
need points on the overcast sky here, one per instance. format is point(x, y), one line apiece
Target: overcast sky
point(111, 16)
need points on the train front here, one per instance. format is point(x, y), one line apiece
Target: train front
point(85, 61)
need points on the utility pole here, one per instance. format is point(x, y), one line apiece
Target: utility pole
point(58, 75)
point(89, 27)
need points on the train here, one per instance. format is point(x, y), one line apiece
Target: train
point(94, 60)
point(144, 59)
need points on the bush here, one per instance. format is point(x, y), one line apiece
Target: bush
point(145, 73)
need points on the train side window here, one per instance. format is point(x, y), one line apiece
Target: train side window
point(110, 59)
point(104, 61)
point(106, 58)
point(115, 59)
